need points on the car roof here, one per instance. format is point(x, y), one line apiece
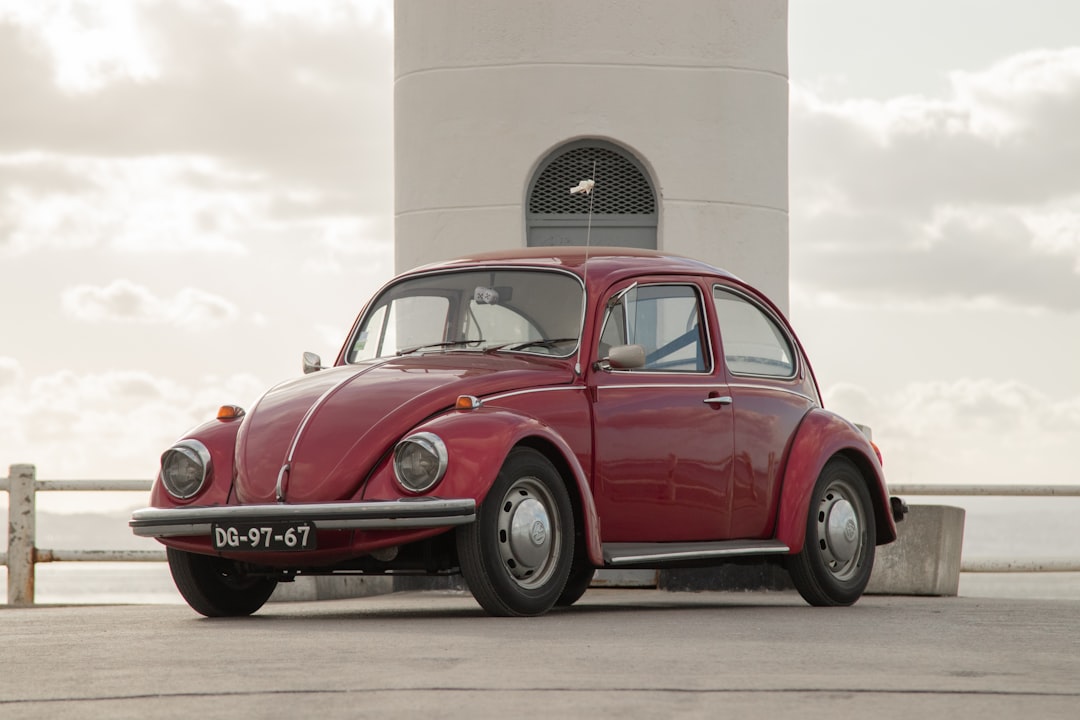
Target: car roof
point(605, 264)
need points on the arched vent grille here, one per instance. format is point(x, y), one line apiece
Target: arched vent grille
point(621, 188)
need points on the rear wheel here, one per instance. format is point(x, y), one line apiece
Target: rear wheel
point(838, 553)
point(517, 555)
point(216, 587)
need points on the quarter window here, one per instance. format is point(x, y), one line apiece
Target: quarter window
point(753, 342)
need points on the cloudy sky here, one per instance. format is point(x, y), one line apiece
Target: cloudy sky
point(192, 193)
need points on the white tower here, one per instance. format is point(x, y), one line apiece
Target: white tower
point(501, 106)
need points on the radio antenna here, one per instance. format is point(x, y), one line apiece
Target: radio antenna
point(586, 187)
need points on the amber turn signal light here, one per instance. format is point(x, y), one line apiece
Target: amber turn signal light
point(467, 402)
point(230, 412)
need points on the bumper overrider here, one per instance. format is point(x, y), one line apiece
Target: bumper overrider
point(368, 515)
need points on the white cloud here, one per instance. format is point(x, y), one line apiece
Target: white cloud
point(969, 200)
point(10, 371)
point(91, 44)
point(126, 302)
point(342, 242)
point(1016, 94)
point(969, 430)
point(322, 13)
point(108, 425)
point(151, 204)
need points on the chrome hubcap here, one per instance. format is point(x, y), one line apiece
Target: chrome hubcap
point(528, 535)
point(840, 532)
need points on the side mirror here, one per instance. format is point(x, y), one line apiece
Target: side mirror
point(312, 363)
point(626, 357)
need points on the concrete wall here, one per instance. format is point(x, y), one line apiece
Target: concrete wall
point(698, 90)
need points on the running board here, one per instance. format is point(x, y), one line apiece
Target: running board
point(620, 554)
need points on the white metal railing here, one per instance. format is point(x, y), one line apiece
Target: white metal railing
point(22, 554)
point(22, 487)
point(991, 564)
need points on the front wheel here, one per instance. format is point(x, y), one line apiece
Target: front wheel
point(838, 553)
point(517, 555)
point(579, 580)
point(216, 587)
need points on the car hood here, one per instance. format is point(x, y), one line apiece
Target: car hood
point(331, 427)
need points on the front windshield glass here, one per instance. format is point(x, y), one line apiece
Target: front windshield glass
point(510, 310)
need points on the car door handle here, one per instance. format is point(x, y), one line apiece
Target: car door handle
point(718, 400)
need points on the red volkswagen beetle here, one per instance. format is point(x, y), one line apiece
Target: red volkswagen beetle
point(525, 418)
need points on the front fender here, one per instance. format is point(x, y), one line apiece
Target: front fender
point(821, 436)
point(219, 437)
point(477, 443)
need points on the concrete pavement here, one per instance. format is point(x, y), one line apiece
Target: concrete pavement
point(618, 653)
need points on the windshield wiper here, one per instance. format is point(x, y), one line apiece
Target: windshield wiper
point(531, 343)
point(450, 343)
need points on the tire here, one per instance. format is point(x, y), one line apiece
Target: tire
point(838, 554)
point(576, 584)
point(517, 555)
point(216, 587)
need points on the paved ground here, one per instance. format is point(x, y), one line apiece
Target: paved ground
point(619, 653)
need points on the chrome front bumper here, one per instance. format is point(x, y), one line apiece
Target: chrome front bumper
point(368, 515)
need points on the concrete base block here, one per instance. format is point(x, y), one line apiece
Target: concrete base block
point(925, 559)
point(308, 588)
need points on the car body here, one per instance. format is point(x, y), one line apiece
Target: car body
point(524, 418)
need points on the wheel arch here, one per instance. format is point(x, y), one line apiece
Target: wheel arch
point(586, 521)
point(883, 522)
point(822, 436)
point(504, 430)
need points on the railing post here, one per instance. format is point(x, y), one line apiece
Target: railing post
point(21, 535)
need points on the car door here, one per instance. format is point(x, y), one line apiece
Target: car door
point(663, 431)
point(771, 392)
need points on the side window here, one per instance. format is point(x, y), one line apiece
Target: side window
point(753, 343)
point(665, 320)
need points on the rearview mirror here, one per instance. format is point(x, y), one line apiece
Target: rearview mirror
point(312, 363)
point(626, 357)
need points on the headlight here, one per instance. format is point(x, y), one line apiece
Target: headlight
point(184, 468)
point(420, 462)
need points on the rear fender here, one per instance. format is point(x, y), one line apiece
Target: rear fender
point(821, 436)
point(477, 443)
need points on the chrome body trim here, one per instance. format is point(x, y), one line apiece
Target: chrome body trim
point(366, 515)
point(529, 391)
point(315, 407)
point(773, 388)
point(616, 554)
point(703, 385)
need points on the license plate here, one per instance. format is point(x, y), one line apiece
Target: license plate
point(263, 537)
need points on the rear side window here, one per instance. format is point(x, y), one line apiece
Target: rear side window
point(753, 342)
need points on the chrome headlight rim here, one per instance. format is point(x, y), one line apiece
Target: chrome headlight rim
point(193, 451)
point(425, 442)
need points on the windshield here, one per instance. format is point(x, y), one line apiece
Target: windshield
point(511, 310)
